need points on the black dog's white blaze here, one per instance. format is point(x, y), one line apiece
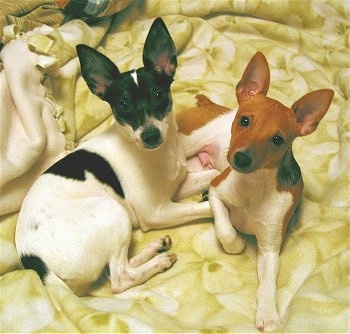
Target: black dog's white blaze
point(134, 77)
point(74, 165)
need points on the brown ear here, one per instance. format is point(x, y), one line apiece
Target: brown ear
point(255, 79)
point(310, 109)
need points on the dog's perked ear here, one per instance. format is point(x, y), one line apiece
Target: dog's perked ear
point(310, 109)
point(97, 70)
point(159, 52)
point(255, 79)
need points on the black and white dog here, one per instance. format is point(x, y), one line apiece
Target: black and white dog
point(78, 216)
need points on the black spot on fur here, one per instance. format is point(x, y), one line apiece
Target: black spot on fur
point(74, 165)
point(35, 263)
point(289, 172)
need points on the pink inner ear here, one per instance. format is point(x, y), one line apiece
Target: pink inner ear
point(310, 109)
point(99, 83)
point(255, 79)
point(307, 127)
point(246, 89)
point(100, 90)
point(163, 64)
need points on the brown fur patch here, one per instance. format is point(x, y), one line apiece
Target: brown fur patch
point(217, 180)
point(192, 119)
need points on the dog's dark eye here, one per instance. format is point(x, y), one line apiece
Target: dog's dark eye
point(244, 121)
point(159, 95)
point(123, 105)
point(277, 140)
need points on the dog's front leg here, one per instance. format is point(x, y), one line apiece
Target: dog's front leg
point(170, 214)
point(195, 183)
point(267, 318)
point(224, 230)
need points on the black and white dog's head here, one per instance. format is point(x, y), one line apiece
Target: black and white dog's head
point(140, 99)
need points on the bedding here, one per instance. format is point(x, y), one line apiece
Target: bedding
point(47, 110)
point(27, 15)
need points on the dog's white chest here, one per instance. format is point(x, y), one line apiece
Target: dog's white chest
point(254, 201)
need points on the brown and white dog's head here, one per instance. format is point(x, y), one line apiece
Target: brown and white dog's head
point(264, 129)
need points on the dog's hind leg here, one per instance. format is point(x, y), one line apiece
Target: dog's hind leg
point(154, 248)
point(123, 276)
point(53, 279)
point(79, 289)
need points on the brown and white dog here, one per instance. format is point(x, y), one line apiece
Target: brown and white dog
point(261, 188)
point(78, 216)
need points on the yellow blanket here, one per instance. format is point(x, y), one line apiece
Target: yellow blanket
point(306, 44)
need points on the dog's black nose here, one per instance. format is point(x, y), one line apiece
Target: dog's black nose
point(242, 161)
point(151, 137)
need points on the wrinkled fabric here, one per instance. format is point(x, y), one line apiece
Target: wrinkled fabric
point(307, 47)
point(37, 103)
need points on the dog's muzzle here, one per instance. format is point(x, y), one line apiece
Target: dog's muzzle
point(242, 162)
point(151, 137)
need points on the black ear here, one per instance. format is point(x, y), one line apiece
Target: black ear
point(97, 70)
point(159, 52)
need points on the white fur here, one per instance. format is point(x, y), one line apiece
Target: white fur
point(250, 203)
point(91, 226)
point(253, 205)
point(150, 178)
point(151, 121)
point(134, 77)
point(77, 227)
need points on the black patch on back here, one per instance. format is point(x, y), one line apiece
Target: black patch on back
point(35, 263)
point(289, 172)
point(74, 165)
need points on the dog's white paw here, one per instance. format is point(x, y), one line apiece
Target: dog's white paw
point(165, 261)
point(267, 320)
point(153, 249)
point(164, 244)
point(234, 247)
